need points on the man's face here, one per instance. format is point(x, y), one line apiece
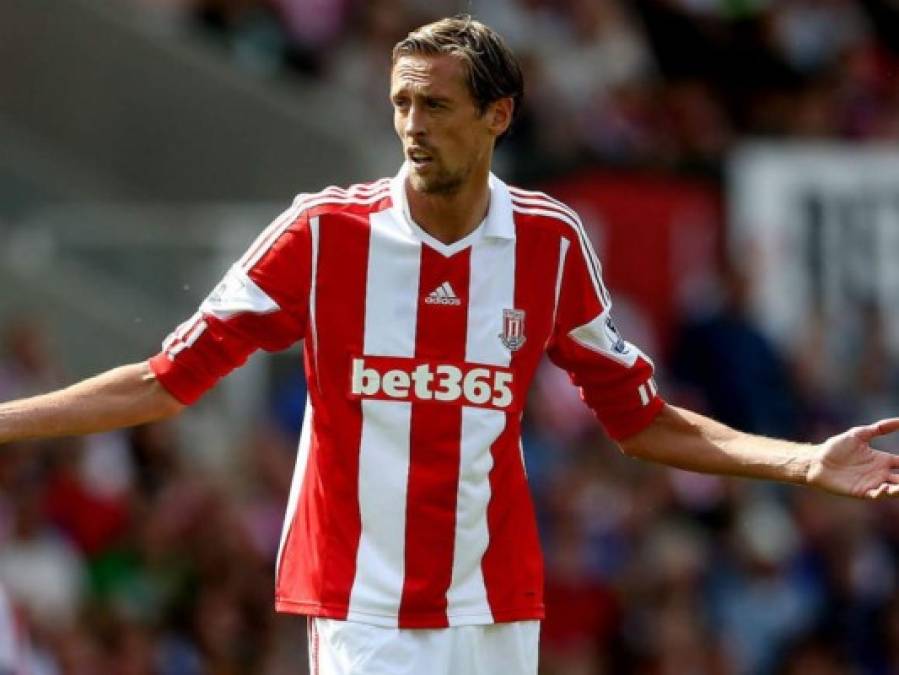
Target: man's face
point(444, 136)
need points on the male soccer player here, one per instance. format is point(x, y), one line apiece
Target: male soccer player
point(425, 302)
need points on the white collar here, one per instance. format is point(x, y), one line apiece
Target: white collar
point(498, 223)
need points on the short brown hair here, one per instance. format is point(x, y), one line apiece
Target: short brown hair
point(493, 71)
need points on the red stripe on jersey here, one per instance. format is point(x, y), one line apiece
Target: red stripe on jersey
point(614, 393)
point(435, 450)
point(320, 576)
point(512, 565)
point(523, 199)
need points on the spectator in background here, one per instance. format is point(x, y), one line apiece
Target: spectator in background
point(312, 27)
point(722, 358)
point(360, 62)
point(43, 571)
point(601, 49)
point(15, 652)
point(758, 602)
point(653, 83)
point(812, 35)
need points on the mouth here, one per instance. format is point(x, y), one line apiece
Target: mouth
point(419, 158)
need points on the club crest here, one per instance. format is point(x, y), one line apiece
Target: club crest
point(513, 336)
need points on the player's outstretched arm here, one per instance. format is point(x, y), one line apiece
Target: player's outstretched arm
point(118, 398)
point(845, 464)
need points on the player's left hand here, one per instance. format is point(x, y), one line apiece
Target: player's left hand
point(846, 464)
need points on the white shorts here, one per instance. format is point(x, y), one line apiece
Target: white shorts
point(351, 648)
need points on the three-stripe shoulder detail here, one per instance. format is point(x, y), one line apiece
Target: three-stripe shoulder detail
point(541, 204)
point(361, 194)
point(184, 336)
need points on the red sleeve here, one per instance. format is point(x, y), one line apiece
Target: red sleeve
point(615, 378)
point(261, 303)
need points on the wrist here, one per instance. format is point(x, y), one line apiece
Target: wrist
point(814, 465)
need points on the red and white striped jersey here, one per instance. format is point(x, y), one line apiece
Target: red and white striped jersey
point(409, 505)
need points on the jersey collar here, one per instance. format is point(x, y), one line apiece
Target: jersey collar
point(497, 224)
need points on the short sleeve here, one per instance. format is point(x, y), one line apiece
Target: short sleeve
point(261, 303)
point(614, 376)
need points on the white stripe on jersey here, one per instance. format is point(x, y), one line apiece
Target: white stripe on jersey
point(188, 340)
point(466, 598)
point(391, 303)
point(384, 451)
point(644, 397)
point(181, 331)
point(563, 252)
point(391, 290)
point(299, 474)
point(491, 290)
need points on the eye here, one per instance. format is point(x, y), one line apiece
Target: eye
point(400, 102)
point(433, 104)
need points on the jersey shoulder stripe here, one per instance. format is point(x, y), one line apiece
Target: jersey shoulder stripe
point(361, 195)
point(178, 339)
point(523, 195)
point(534, 198)
point(361, 190)
point(545, 206)
point(539, 198)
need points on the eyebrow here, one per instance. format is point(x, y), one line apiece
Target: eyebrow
point(418, 94)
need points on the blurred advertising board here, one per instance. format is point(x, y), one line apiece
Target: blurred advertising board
point(816, 228)
point(658, 239)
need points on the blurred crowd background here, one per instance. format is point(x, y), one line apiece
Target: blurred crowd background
point(145, 552)
point(645, 83)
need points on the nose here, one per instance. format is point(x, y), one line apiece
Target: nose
point(415, 122)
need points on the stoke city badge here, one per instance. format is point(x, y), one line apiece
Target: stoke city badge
point(513, 329)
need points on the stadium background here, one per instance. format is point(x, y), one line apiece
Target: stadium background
point(737, 164)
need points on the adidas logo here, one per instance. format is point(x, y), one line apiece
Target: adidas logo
point(443, 295)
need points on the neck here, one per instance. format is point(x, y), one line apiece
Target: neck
point(450, 217)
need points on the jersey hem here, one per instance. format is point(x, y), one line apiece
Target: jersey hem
point(423, 620)
point(180, 385)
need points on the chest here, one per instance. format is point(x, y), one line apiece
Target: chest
point(487, 303)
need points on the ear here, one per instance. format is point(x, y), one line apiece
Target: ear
point(499, 115)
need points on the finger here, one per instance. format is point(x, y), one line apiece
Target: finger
point(881, 428)
point(882, 491)
point(875, 493)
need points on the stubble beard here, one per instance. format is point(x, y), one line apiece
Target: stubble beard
point(441, 182)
